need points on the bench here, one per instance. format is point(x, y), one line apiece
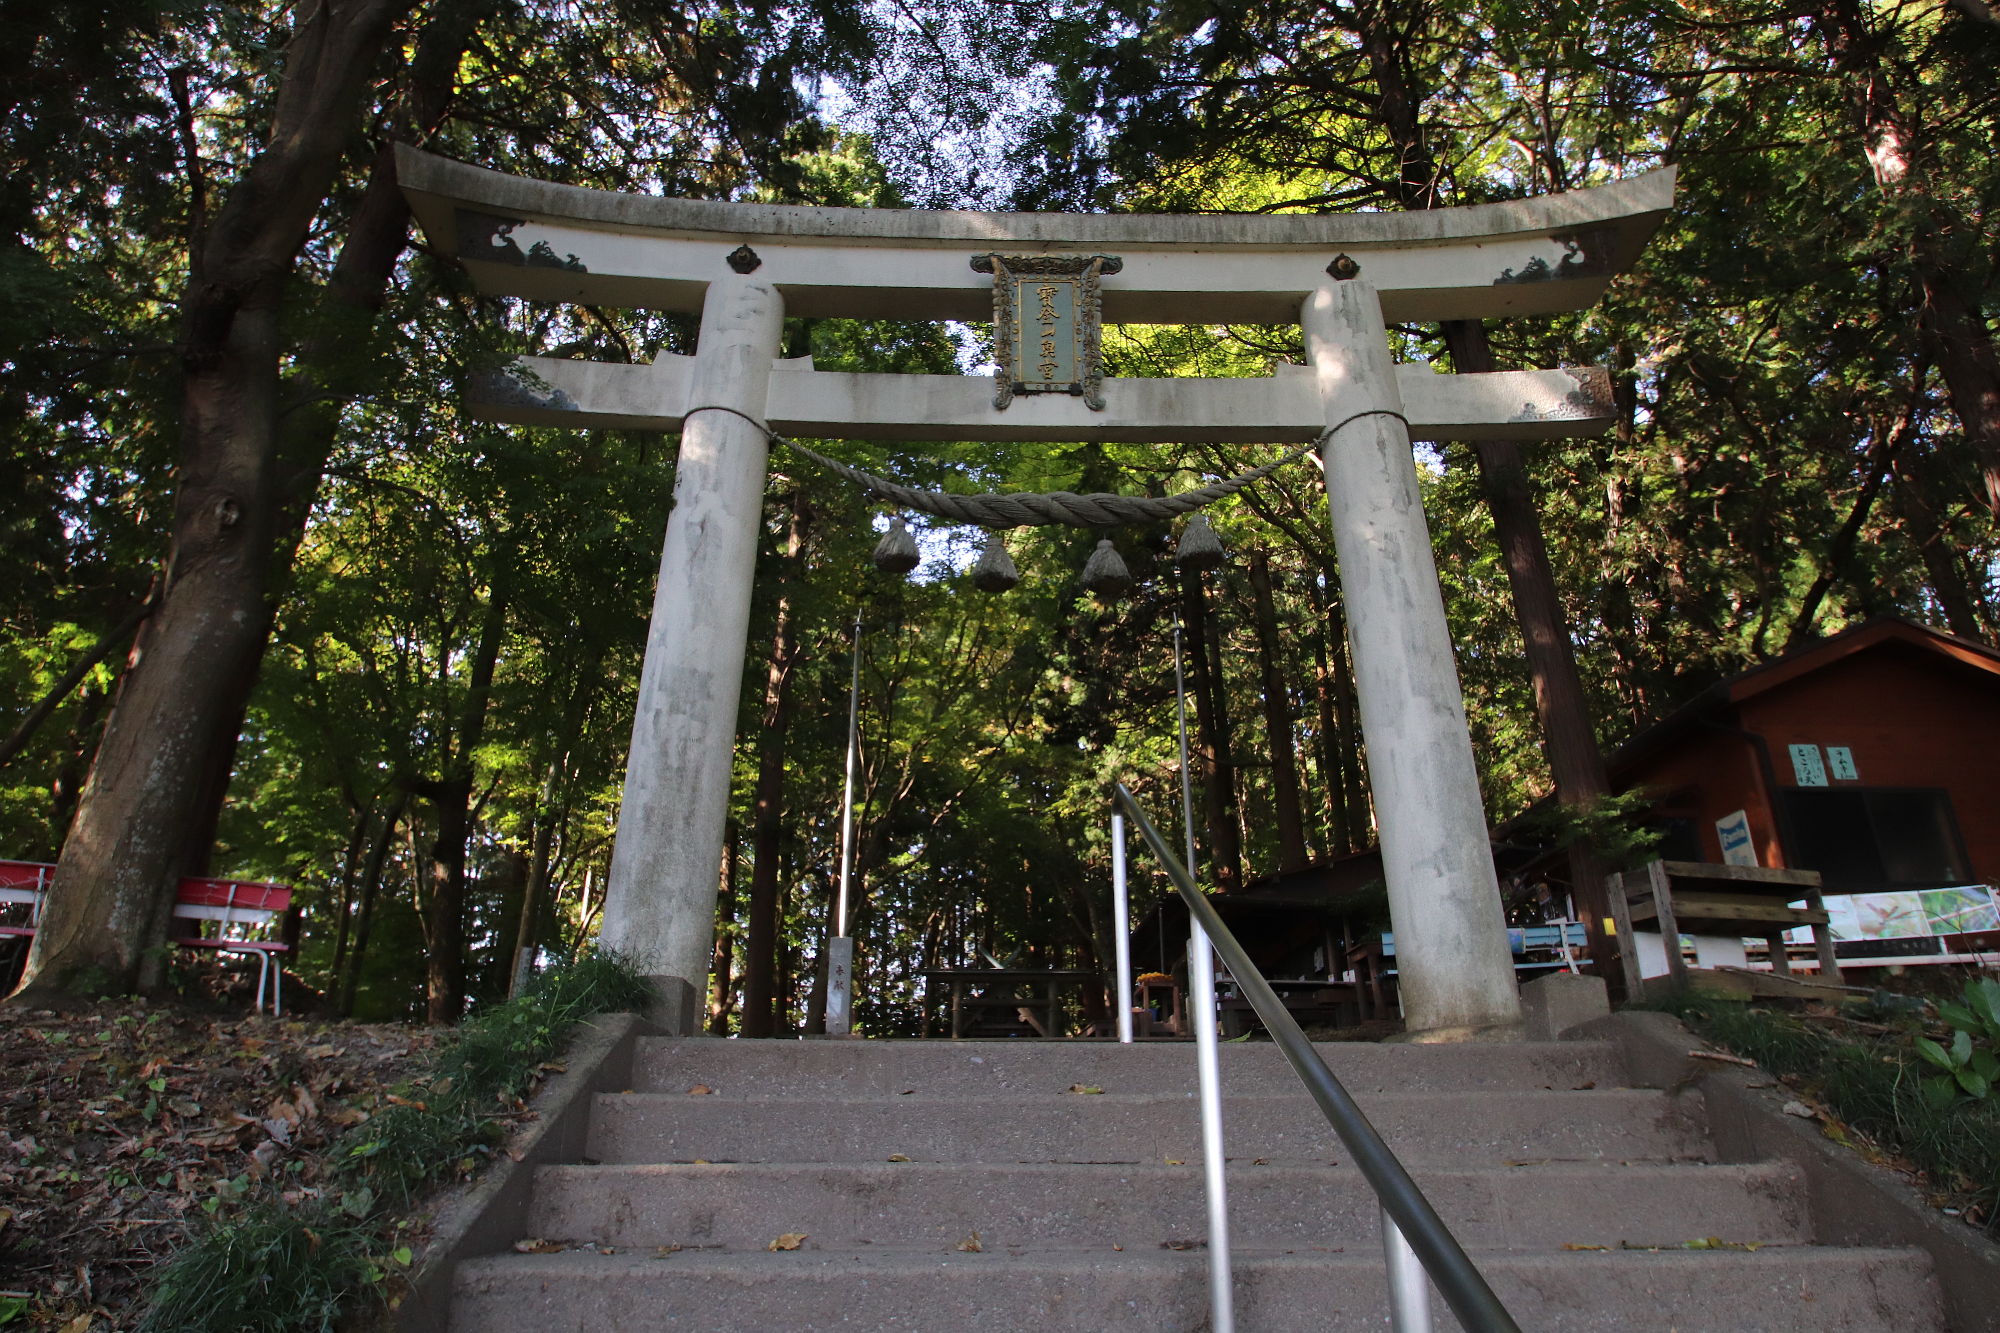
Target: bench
point(1308, 1000)
point(1721, 904)
point(1555, 947)
point(23, 885)
point(235, 908)
point(987, 1001)
point(222, 915)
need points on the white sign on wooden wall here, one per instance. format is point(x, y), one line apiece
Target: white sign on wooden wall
point(1734, 832)
point(1807, 766)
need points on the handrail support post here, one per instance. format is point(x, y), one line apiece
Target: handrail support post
point(1409, 1285)
point(1208, 1066)
point(1121, 930)
point(1417, 1223)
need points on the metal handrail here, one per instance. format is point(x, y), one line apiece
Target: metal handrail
point(1458, 1281)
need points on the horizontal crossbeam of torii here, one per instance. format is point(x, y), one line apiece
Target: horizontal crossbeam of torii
point(745, 267)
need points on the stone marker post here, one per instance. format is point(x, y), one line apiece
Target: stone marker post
point(1455, 971)
point(659, 908)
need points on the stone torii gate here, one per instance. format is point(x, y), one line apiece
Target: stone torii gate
point(745, 267)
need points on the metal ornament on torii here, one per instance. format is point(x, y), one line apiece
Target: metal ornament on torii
point(745, 267)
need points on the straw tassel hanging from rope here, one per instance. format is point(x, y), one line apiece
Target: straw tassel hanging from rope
point(896, 553)
point(1105, 573)
point(995, 571)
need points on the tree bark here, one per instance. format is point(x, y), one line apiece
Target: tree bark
point(1353, 744)
point(1340, 726)
point(550, 816)
point(1962, 345)
point(1287, 807)
point(760, 949)
point(1560, 704)
point(1562, 708)
point(815, 1015)
point(541, 844)
point(129, 845)
point(1332, 741)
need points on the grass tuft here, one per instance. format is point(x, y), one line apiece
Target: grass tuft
point(270, 1269)
point(265, 1271)
point(1873, 1081)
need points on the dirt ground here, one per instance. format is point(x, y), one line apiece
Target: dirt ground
point(121, 1127)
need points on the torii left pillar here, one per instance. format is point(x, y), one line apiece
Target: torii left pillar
point(659, 908)
point(1456, 975)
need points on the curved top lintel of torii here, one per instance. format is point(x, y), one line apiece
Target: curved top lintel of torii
point(525, 237)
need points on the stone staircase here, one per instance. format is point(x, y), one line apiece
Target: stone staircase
point(948, 1186)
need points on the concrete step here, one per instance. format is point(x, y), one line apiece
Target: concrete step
point(995, 1068)
point(935, 1207)
point(1457, 1129)
point(1771, 1290)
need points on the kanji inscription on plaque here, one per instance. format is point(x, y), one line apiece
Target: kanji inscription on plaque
point(1046, 324)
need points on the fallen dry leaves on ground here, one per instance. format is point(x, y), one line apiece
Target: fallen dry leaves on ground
point(120, 1128)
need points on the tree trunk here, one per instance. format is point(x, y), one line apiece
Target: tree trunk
point(521, 951)
point(721, 985)
point(349, 864)
point(1568, 736)
point(1340, 732)
point(815, 1016)
point(1292, 852)
point(1332, 747)
point(551, 814)
point(1560, 704)
point(504, 884)
point(1956, 335)
point(451, 795)
point(1875, 468)
point(1621, 500)
point(371, 883)
point(1229, 812)
point(1928, 532)
point(73, 769)
point(1211, 743)
point(760, 950)
point(1353, 745)
point(117, 877)
point(1962, 345)
point(337, 364)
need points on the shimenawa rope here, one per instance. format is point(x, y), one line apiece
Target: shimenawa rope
point(1031, 509)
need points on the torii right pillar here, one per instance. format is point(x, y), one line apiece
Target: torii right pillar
point(1456, 972)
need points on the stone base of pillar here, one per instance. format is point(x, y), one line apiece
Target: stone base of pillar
point(674, 1010)
point(1554, 1004)
point(1450, 1035)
